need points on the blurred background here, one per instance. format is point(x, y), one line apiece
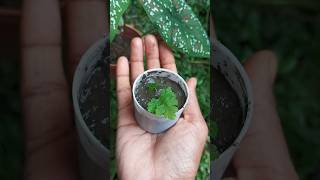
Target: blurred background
point(289, 27)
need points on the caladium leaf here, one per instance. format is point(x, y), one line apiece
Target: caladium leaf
point(117, 8)
point(178, 26)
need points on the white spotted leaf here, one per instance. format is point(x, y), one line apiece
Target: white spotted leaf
point(178, 26)
point(117, 8)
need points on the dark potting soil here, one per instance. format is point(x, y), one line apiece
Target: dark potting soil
point(227, 111)
point(120, 46)
point(93, 102)
point(144, 95)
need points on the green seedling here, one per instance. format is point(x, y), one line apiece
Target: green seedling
point(166, 105)
point(153, 86)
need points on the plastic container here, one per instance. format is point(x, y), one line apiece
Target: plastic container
point(147, 120)
point(230, 67)
point(93, 156)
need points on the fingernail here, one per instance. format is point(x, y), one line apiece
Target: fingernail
point(195, 81)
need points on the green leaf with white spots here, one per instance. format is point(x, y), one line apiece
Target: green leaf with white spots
point(178, 26)
point(117, 8)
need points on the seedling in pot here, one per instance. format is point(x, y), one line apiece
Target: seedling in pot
point(165, 105)
point(160, 97)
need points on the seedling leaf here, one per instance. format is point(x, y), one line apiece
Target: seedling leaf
point(166, 105)
point(153, 86)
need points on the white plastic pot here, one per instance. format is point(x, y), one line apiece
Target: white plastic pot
point(93, 156)
point(147, 120)
point(230, 67)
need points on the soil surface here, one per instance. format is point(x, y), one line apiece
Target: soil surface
point(227, 111)
point(94, 104)
point(144, 95)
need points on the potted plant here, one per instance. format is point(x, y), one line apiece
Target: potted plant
point(160, 97)
point(184, 34)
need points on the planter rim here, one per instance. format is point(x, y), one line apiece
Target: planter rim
point(75, 92)
point(134, 87)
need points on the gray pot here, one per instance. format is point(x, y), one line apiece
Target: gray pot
point(93, 156)
point(147, 120)
point(233, 71)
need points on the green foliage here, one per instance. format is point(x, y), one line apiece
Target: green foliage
point(166, 105)
point(153, 86)
point(117, 8)
point(178, 26)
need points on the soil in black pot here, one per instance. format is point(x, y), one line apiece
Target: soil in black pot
point(94, 102)
point(144, 94)
point(227, 111)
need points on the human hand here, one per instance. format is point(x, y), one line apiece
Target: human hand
point(173, 154)
point(49, 134)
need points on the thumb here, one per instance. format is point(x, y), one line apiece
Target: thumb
point(192, 110)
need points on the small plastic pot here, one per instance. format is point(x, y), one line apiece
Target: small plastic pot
point(147, 120)
point(93, 155)
point(225, 62)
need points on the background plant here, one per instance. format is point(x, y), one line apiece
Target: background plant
point(174, 21)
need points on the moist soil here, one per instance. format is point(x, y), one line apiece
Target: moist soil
point(94, 104)
point(144, 95)
point(227, 111)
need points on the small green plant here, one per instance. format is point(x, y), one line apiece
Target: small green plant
point(165, 105)
point(174, 20)
point(153, 86)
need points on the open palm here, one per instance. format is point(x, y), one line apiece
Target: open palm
point(174, 154)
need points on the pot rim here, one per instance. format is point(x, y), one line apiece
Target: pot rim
point(138, 79)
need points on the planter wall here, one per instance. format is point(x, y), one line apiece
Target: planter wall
point(229, 66)
point(93, 155)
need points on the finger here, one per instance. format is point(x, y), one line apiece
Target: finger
point(166, 57)
point(124, 96)
point(49, 133)
point(136, 60)
point(86, 23)
point(265, 129)
point(152, 51)
point(192, 111)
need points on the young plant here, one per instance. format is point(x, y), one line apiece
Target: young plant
point(173, 19)
point(165, 105)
